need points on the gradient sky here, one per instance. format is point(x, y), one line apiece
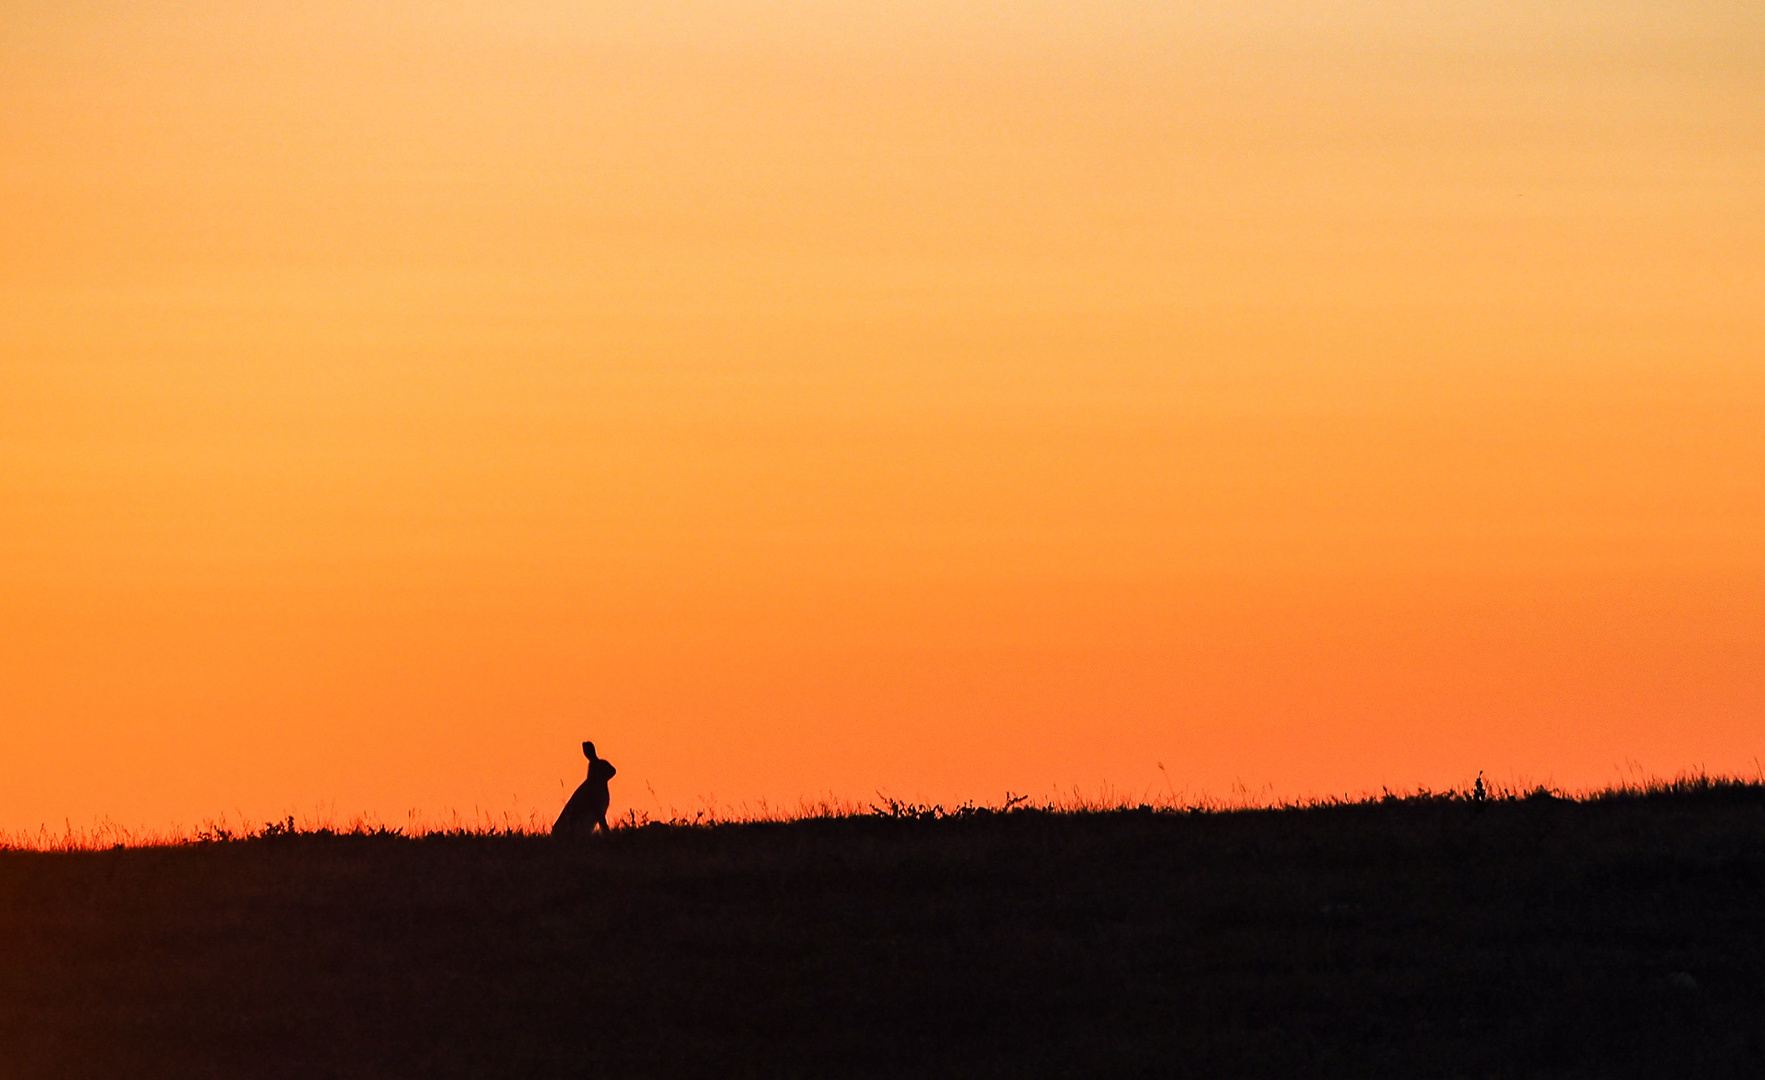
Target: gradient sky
point(831, 397)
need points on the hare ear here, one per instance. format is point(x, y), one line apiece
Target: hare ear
point(588, 750)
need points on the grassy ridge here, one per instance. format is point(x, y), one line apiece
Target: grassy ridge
point(1619, 935)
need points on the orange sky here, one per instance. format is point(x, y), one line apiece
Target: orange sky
point(829, 397)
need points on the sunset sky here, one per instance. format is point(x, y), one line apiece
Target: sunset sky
point(809, 397)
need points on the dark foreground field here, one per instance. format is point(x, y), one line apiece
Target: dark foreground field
point(1425, 938)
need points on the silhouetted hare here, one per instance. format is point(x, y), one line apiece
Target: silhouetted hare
point(588, 807)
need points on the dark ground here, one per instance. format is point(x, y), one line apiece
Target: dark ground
point(1618, 937)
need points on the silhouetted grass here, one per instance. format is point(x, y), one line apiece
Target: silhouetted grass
point(108, 835)
point(1621, 933)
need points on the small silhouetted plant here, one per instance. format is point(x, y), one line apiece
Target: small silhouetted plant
point(898, 810)
point(214, 832)
point(906, 811)
point(272, 829)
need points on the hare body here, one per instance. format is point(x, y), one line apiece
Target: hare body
point(587, 809)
